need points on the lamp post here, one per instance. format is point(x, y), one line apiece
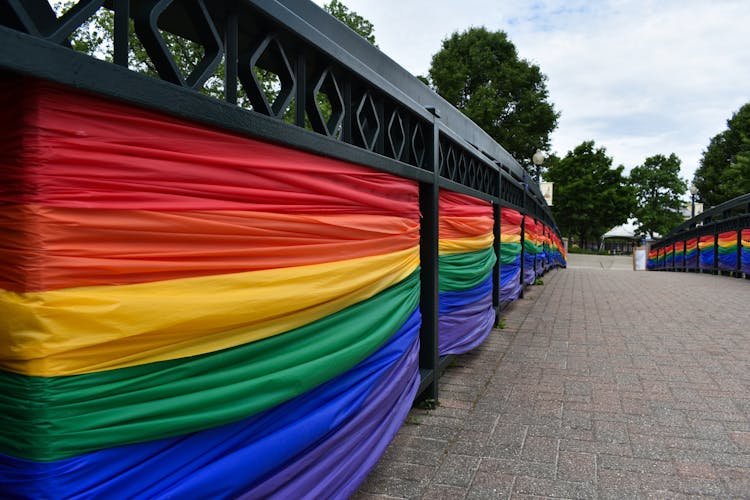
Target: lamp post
point(538, 159)
point(693, 192)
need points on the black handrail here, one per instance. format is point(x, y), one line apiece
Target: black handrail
point(732, 216)
point(381, 116)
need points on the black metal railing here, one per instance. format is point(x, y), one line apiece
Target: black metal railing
point(332, 93)
point(718, 235)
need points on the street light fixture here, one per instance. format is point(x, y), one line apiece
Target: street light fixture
point(538, 159)
point(693, 192)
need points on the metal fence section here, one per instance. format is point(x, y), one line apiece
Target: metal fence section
point(716, 241)
point(270, 78)
point(377, 114)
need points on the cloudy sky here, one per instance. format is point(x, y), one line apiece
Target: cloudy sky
point(639, 77)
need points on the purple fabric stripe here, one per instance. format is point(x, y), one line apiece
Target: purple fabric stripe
point(510, 286)
point(335, 467)
point(464, 329)
point(529, 273)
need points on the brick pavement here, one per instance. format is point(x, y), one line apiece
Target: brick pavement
point(604, 383)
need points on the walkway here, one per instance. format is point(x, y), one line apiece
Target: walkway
point(604, 383)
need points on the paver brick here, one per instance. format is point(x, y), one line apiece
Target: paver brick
point(606, 384)
point(576, 467)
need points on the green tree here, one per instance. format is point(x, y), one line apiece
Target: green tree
point(480, 73)
point(724, 170)
point(658, 190)
point(591, 197)
point(359, 24)
point(95, 37)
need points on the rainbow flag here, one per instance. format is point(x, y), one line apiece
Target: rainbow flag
point(466, 261)
point(557, 250)
point(745, 256)
point(706, 251)
point(679, 255)
point(510, 254)
point(532, 245)
point(187, 312)
point(542, 261)
point(691, 253)
point(728, 251)
point(669, 257)
point(653, 255)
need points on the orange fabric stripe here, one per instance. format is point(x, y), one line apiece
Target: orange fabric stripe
point(455, 227)
point(47, 248)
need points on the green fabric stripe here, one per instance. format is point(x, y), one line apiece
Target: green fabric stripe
point(531, 247)
point(52, 418)
point(463, 271)
point(509, 252)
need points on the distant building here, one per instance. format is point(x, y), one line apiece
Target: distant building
point(621, 239)
point(687, 207)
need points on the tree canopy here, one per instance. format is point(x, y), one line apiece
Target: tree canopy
point(724, 170)
point(480, 73)
point(362, 26)
point(591, 197)
point(658, 190)
point(95, 38)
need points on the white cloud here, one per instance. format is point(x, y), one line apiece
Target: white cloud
point(639, 77)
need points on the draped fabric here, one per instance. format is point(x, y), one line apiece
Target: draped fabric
point(466, 261)
point(679, 255)
point(691, 253)
point(557, 251)
point(228, 460)
point(532, 248)
point(544, 253)
point(727, 250)
point(669, 256)
point(652, 262)
point(188, 312)
point(745, 255)
point(510, 254)
point(706, 251)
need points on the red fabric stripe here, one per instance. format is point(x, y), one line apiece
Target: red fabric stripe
point(68, 149)
point(46, 248)
point(510, 217)
point(461, 205)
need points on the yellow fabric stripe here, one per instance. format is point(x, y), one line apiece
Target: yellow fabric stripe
point(510, 238)
point(461, 245)
point(87, 329)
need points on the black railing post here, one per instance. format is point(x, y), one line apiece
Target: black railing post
point(429, 196)
point(121, 34)
point(738, 266)
point(301, 91)
point(497, 233)
point(523, 247)
point(716, 269)
point(684, 256)
point(231, 53)
point(346, 126)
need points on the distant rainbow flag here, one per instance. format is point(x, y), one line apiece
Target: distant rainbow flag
point(691, 253)
point(467, 259)
point(669, 256)
point(510, 254)
point(706, 251)
point(745, 256)
point(532, 246)
point(679, 255)
point(728, 250)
